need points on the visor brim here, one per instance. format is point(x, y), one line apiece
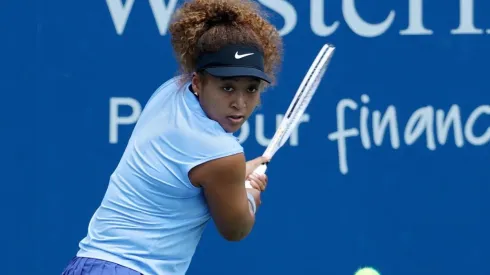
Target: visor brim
point(237, 71)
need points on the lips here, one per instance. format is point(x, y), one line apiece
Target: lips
point(236, 119)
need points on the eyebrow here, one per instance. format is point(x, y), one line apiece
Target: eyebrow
point(236, 79)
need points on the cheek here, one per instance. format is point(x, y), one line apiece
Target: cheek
point(214, 103)
point(254, 100)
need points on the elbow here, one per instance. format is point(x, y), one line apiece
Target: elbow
point(234, 236)
point(238, 232)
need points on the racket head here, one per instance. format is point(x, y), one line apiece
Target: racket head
point(310, 89)
point(301, 100)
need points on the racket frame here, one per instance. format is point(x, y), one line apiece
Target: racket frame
point(298, 105)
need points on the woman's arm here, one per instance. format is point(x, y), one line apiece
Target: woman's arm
point(223, 183)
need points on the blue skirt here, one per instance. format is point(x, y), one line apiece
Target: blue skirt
point(89, 266)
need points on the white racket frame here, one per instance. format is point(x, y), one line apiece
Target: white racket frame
point(298, 105)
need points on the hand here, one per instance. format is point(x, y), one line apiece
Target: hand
point(253, 164)
point(258, 182)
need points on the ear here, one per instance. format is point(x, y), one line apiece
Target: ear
point(196, 83)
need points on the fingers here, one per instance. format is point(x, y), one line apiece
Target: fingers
point(254, 184)
point(254, 163)
point(258, 161)
point(258, 182)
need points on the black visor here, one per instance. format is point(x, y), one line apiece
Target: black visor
point(232, 61)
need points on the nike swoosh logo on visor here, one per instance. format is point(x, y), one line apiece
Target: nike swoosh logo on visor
point(240, 56)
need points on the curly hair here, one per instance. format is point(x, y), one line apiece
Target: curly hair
point(202, 26)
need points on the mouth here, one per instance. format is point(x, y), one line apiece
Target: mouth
point(236, 119)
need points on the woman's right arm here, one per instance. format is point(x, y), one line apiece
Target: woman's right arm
point(223, 183)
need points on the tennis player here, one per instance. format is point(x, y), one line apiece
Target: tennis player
point(182, 165)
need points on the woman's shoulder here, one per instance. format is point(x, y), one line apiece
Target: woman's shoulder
point(191, 148)
point(202, 141)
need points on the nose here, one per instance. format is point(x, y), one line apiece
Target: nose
point(239, 101)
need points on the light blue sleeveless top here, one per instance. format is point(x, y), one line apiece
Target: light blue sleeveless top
point(151, 217)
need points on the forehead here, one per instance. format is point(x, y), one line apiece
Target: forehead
point(244, 80)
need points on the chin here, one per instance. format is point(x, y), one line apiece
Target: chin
point(229, 128)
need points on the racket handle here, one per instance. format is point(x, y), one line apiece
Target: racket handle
point(259, 171)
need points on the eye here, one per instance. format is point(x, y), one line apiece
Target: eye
point(253, 89)
point(228, 89)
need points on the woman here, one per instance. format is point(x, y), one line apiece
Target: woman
point(182, 165)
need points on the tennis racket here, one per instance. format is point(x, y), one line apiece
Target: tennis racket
point(298, 105)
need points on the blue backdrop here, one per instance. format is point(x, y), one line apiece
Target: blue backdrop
point(386, 170)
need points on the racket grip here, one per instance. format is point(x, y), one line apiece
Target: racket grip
point(259, 171)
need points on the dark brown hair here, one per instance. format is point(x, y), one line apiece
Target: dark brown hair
point(201, 26)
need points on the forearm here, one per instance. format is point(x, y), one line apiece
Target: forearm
point(241, 228)
point(249, 220)
point(240, 220)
